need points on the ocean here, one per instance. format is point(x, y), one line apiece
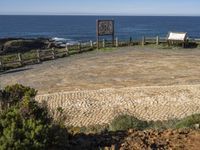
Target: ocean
point(83, 28)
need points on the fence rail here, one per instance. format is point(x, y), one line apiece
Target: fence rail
point(38, 56)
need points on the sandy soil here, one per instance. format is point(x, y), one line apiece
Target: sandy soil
point(125, 67)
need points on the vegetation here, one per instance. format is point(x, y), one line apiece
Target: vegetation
point(125, 122)
point(24, 124)
point(12, 95)
point(189, 122)
point(107, 49)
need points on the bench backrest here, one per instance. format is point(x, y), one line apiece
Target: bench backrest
point(177, 36)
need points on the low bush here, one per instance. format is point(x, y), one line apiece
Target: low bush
point(125, 122)
point(11, 95)
point(162, 125)
point(188, 122)
point(27, 125)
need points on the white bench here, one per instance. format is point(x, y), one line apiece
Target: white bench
point(177, 37)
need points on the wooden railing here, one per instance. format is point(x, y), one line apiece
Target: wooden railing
point(50, 54)
point(20, 59)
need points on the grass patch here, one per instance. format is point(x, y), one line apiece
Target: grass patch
point(8, 58)
point(29, 55)
point(160, 46)
point(107, 49)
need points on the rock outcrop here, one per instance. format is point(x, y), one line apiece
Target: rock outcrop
point(21, 45)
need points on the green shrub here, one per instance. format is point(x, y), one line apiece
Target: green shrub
point(162, 125)
point(11, 95)
point(125, 122)
point(188, 122)
point(26, 124)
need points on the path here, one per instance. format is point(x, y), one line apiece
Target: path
point(125, 67)
point(85, 108)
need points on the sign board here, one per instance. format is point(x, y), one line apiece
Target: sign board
point(177, 36)
point(105, 28)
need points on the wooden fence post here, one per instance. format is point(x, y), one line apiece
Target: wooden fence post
point(38, 56)
point(53, 53)
point(97, 43)
point(1, 65)
point(20, 58)
point(113, 147)
point(143, 41)
point(91, 44)
point(79, 47)
point(103, 43)
point(117, 42)
point(130, 41)
point(157, 40)
point(67, 49)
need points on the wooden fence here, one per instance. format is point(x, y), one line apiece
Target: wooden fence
point(20, 59)
point(37, 56)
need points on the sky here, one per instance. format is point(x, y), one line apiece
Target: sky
point(101, 7)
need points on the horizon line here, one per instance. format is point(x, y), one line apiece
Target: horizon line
point(136, 15)
point(92, 14)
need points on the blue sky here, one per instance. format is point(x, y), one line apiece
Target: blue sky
point(101, 7)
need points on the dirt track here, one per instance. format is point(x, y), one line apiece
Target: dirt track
point(117, 73)
point(125, 67)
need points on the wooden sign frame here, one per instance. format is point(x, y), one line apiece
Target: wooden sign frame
point(105, 28)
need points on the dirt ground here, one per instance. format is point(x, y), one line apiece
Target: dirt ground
point(181, 139)
point(124, 67)
point(168, 139)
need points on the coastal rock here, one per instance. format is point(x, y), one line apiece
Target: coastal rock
point(22, 45)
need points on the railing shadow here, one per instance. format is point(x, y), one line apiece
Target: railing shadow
point(15, 70)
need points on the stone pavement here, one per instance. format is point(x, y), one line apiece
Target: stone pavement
point(84, 108)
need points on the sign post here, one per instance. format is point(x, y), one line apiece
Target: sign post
point(105, 28)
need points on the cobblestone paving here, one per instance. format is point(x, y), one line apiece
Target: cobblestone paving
point(92, 107)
